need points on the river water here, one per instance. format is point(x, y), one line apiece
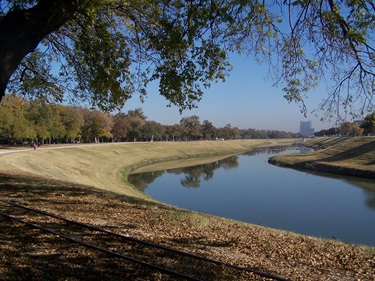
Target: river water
point(246, 188)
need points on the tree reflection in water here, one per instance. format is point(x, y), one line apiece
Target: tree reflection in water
point(142, 180)
point(192, 175)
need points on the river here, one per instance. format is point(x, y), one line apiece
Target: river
point(246, 188)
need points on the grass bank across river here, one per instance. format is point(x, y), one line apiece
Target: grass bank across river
point(86, 184)
point(350, 156)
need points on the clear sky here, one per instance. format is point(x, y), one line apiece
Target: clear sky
point(247, 99)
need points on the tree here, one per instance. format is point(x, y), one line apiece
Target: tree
point(97, 125)
point(229, 133)
point(109, 49)
point(193, 127)
point(328, 132)
point(47, 121)
point(152, 131)
point(349, 128)
point(135, 120)
point(14, 125)
point(208, 130)
point(369, 124)
point(72, 119)
point(175, 132)
point(119, 130)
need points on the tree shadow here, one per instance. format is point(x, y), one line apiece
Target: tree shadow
point(44, 257)
point(30, 254)
point(355, 152)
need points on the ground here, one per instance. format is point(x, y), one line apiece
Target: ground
point(30, 255)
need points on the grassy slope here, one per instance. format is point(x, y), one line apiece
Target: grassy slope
point(104, 166)
point(348, 156)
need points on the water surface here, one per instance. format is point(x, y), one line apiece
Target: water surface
point(246, 188)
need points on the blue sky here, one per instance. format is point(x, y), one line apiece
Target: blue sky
point(247, 99)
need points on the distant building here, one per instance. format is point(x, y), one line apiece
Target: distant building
point(306, 129)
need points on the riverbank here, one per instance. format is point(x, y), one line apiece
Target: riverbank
point(105, 166)
point(86, 184)
point(350, 156)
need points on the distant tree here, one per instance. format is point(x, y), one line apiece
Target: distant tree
point(208, 130)
point(47, 121)
point(369, 124)
point(193, 127)
point(119, 130)
point(72, 119)
point(14, 125)
point(246, 133)
point(175, 132)
point(349, 128)
point(261, 134)
point(135, 120)
point(152, 130)
point(108, 49)
point(97, 125)
point(327, 132)
point(229, 133)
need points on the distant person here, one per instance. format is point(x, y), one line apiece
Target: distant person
point(34, 145)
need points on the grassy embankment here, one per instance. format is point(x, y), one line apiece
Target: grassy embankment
point(105, 166)
point(87, 184)
point(352, 156)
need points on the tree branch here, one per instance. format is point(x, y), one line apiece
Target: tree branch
point(22, 30)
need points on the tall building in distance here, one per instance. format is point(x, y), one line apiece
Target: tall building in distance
point(306, 129)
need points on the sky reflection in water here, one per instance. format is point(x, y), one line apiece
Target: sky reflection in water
point(246, 188)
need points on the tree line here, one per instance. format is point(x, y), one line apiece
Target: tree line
point(358, 128)
point(25, 122)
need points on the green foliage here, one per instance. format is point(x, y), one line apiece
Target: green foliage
point(73, 120)
point(23, 121)
point(46, 121)
point(369, 124)
point(34, 79)
point(96, 125)
point(14, 125)
point(208, 130)
point(192, 126)
point(111, 49)
point(152, 131)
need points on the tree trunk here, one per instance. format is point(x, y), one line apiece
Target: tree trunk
point(22, 30)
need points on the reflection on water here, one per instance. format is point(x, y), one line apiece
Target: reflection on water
point(246, 188)
point(191, 176)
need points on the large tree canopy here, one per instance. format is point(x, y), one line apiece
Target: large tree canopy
point(104, 51)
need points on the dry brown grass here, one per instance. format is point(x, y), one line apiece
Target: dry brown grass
point(32, 255)
point(104, 166)
point(349, 156)
point(86, 184)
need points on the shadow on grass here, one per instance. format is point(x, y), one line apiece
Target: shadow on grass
point(42, 188)
point(367, 149)
point(30, 254)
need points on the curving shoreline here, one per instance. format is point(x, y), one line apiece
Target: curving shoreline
point(86, 184)
point(343, 156)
